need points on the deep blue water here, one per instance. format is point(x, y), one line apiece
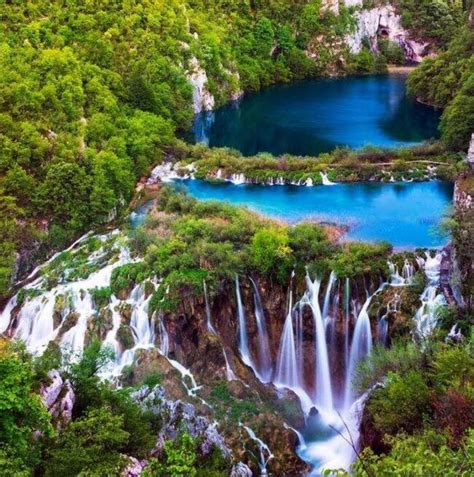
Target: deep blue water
point(311, 117)
point(404, 214)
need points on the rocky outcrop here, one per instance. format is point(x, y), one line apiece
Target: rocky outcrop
point(203, 100)
point(59, 398)
point(470, 154)
point(384, 23)
point(180, 416)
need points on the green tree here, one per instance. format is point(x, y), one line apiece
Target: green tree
point(401, 403)
point(179, 459)
point(270, 253)
point(89, 446)
point(22, 413)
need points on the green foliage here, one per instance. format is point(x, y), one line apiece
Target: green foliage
point(21, 412)
point(458, 118)
point(400, 358)
point(419, 456)
point(435, 19)
point(89, 446)
point(180, 459)
point(270, 253)
point(447, 81)
point(360, 258)
point(101, 296)
point(453, 367)
point(401, 403)
point(392, 52)
point(123, 278)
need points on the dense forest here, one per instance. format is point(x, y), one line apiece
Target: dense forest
point(93, 94)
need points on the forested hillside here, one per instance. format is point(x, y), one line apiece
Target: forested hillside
point(93, 93)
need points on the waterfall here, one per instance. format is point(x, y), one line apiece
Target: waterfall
point(287, 369)
point(230, 375)
point(323, 396)
point(382, 330)
point(328, 296)
point(408, 271)
point(5, 316)
point(163, 336)
point(360, 348)
point(425, 317)
point(243, 340)
point(347, 319)
point(210, 327)
point(264, 452)
point(265, 364)
point(396, 279)
point(325, 180)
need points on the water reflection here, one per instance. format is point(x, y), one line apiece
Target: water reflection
point(316, 116)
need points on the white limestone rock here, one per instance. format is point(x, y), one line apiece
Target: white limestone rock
point(203, 100)
point(384, 22)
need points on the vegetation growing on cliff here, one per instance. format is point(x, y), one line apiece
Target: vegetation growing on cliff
point(447, 81)
point(422, 412)
point(106, 426)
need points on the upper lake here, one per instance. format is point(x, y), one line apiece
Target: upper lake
point(310, 117)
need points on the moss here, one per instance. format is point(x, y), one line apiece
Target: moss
point(125, 337)
point(25, 294)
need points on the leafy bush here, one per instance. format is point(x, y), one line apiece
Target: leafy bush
point(90, 446)
point(420, 455)
point(21, 412)
point(401, 403)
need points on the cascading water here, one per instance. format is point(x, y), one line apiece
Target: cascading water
point(243, 339)
point(264, 452)
point(287, 373)
point(210, 327)
point(327, 297)
point(347, 320)
point(265, 367)
point(36, 323)
point(360, 348)
point(323, 396)
point(325, 180)
point(425, 318)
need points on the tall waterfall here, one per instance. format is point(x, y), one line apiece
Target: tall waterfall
point(210, 326)
point(360, 348)
point(265, 367)
point(243, 339)
point(323, 395)
point(328, 296)
point(347, 319)
point(425, 318)
point(287, 373)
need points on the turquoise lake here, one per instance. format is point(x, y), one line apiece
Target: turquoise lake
point(310, 117)
point(405, 214)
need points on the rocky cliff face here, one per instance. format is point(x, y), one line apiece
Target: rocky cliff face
point(384, 23)
point(203, 100)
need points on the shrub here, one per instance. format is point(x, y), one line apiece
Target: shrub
point(401, 403)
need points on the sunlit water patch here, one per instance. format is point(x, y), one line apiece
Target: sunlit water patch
point(404, 214)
